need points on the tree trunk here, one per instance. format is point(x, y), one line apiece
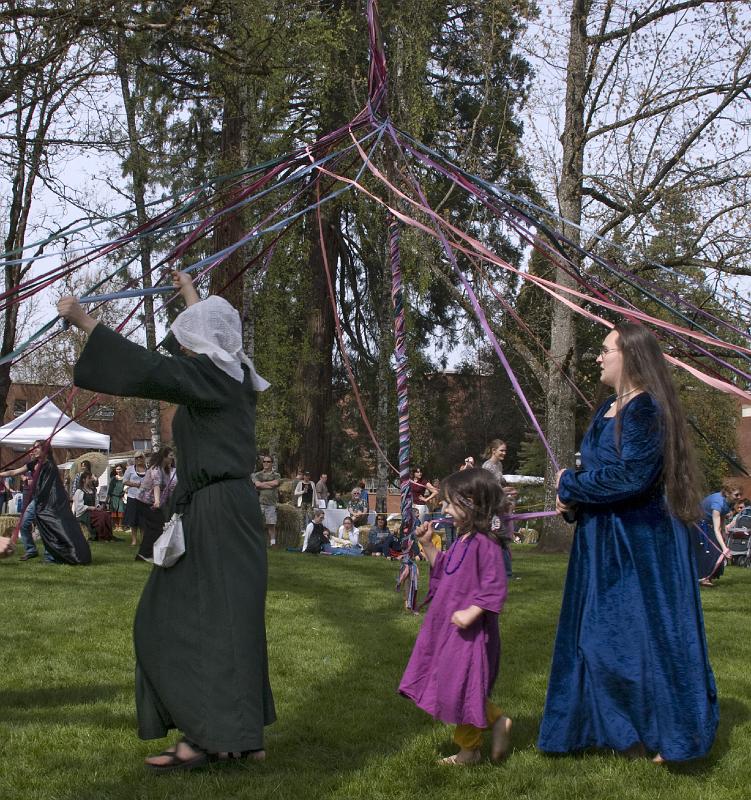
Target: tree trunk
point(137, 167)
point(315, 370)
point(229, 228)
point(560, 405)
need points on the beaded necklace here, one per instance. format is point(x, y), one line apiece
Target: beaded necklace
point(448, 571)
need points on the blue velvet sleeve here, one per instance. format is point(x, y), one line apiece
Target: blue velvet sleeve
point(633, 473)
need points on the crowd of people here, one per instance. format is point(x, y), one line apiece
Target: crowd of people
point(618, 674)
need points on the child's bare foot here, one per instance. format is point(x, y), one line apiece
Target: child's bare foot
point(658, 759)
point(464, 758)
point(501, 739)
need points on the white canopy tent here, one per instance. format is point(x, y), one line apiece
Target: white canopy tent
point(39, 422)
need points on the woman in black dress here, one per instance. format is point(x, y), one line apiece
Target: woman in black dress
point(199, 632)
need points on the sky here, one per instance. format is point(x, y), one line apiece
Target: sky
point(96, 180)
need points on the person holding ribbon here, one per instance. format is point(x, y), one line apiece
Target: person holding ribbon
point(456, 657)
point(199, 632)
point(630, 668)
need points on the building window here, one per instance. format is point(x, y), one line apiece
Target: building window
point(19, 407)
point(142, 444)
point(745, 411)
point(102, 411)
point(142, 414)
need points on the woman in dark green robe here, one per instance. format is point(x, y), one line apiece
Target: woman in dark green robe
point(199, 633)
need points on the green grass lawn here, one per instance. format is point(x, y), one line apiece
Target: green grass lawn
point(338, 643)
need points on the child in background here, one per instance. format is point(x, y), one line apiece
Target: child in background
point(455, 660)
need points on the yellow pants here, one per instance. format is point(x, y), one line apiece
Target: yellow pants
point(470, 738)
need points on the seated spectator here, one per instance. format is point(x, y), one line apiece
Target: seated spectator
point(379, 538)
point(357, 508)
point(316, 535)
point(349, 535)
point(740, 509)
point(436, 541)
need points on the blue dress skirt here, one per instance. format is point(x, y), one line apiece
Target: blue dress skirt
point(630, 663)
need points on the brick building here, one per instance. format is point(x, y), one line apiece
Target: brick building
point(743, 448)
point(124, 419)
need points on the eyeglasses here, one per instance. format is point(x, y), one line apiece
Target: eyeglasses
point(267, 461)
point(603, 351)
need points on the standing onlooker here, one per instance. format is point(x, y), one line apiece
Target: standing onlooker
point(711, 550)
point(364, 494)
point(156, 487)
point(305, 492)
point(84, 501)
point(422, 492)
point(28, 510)
point(322, 488)
point(115, 491)
point(5, 494)
point(496, 452)
point(134, 475)
point(267, 482)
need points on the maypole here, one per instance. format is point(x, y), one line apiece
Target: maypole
point(377, 92)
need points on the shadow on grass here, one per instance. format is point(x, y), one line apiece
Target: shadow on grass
point(64, 705)
point(337, 716)
point(732, 714)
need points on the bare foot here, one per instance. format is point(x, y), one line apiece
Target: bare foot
point(658, 759)
point(464, 758)
point(501, 739)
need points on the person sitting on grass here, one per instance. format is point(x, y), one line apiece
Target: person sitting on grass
point(379, 538)
point(348, 535)
point(316, 535)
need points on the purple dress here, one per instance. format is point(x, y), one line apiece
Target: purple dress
point(451, 671)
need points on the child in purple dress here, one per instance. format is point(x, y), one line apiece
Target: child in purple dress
point(455, 659)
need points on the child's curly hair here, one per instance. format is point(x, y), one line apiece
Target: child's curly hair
point(481, 498)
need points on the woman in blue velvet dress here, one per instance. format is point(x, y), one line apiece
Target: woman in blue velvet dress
point(630, 669)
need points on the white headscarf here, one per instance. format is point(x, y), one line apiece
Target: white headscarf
point(211, 327)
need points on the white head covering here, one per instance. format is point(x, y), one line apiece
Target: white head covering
point(211, 327)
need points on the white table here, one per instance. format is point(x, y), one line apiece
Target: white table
point(334, 517)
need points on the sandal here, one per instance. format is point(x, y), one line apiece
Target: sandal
point(175, 763)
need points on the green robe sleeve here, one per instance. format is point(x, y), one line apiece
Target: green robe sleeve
point(111, 364)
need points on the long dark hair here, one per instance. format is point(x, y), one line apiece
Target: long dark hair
point(477, 492)
point(158, 456)
point(644, 367)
